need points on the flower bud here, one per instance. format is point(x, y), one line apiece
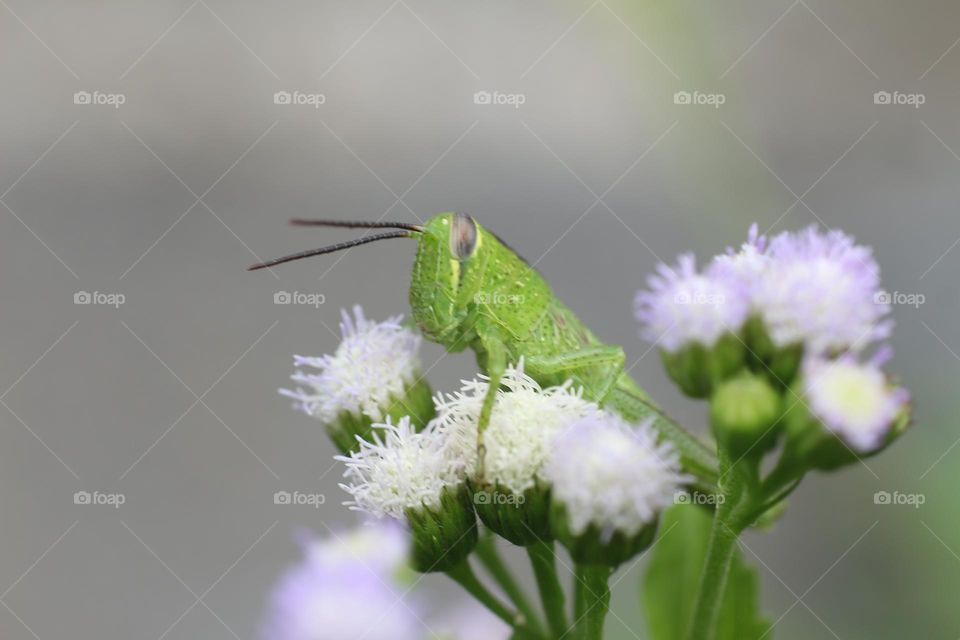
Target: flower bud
point(698, 370)
point(779, 363)
point(744, 414)
point(522, 519)
point(596, 546)
point(445, 535)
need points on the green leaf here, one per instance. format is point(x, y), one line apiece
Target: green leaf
point(673, 578)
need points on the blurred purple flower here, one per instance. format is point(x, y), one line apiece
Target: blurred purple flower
point(346, 588)
point(745, 267)
point(822, 289)
point(684, 306)
point(854, 401)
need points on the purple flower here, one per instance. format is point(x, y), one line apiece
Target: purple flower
point(853, 400)
point(821, 289)
point(683, 306)
point(746, 266)
point(343, 590)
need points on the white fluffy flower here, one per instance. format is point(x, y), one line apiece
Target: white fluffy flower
point(612, 475)
point(853, 400)
point(401, 469)
point(374, 362)
point(524, 420)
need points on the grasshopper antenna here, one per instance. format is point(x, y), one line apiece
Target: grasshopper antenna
point(340, 246)
point(349, 224)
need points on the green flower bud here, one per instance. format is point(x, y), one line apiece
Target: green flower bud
point(443, 536)
point(698, 370)
point(744, 413)
point(522, 519)
point(780, 364)
point(594, 546)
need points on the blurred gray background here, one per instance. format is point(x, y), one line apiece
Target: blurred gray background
point(169, 399)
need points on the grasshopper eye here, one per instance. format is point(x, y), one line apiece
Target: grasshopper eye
point(463, 236)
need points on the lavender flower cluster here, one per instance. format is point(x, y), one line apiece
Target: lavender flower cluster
point(803, 307)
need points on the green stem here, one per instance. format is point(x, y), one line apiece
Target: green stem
point(543, 561)
point(463, 575)
point(592, 601)
point(489, 556)
point(727, 526)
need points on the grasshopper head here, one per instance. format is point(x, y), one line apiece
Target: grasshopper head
point(445, 274)
point(447, 271)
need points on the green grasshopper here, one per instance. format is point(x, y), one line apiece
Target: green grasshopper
point(469, 289)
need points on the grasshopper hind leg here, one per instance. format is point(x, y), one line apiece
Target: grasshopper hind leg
point(618, 392)
point(596, 368)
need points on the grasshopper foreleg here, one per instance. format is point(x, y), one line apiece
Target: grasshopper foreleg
point(496, 361)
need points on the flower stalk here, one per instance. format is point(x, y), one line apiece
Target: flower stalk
point(463, 574)
point(489, 556)
point(543, 561)
point(728, 523)
point(592, 600)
